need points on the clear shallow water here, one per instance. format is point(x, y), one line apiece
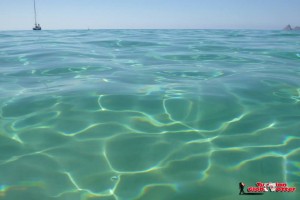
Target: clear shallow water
point(148, 114)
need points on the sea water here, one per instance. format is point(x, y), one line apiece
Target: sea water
point(148, 114)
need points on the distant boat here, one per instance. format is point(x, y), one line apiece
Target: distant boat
point(37, 26)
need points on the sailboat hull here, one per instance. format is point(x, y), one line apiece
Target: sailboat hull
point(36, 29)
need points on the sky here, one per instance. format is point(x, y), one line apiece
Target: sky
point(150, 14)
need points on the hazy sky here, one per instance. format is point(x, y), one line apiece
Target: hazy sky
point(202, 14)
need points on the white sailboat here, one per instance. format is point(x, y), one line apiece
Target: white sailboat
point(37, 26)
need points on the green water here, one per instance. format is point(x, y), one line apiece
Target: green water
point(148, 114)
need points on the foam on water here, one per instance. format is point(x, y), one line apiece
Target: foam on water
point(148, 114)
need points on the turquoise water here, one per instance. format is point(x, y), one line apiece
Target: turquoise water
point(148, 114)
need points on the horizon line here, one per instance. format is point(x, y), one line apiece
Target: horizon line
point(258, 29)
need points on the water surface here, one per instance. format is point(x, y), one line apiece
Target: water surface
point(148, 114)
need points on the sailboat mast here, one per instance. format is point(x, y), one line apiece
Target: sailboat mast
point(34, 12)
